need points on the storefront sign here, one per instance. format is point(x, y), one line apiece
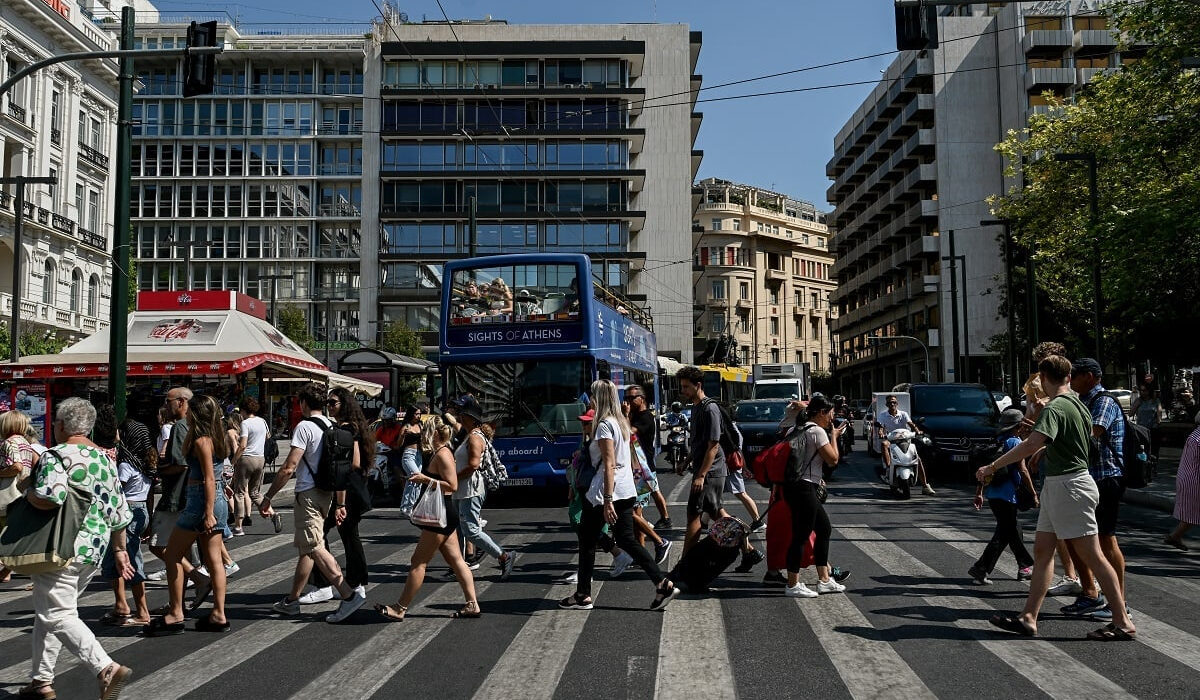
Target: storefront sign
point(177, 330)
point(201, 301)
point(59, 6)
point(485, 334)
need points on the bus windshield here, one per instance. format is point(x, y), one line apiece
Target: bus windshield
point(788, 390)
point(515, 294)
point(513, 393)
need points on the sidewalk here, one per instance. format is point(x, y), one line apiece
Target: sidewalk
point(1159, 495)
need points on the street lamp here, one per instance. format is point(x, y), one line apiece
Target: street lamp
point(958, 266)
point(1008, 287)
point(906, 337)
point(1093, 218)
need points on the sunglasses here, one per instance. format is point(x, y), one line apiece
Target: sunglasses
point(333, 402)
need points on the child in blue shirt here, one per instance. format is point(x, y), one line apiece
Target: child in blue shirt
point(1001, 494)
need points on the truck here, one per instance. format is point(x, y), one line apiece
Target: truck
point(788, 380)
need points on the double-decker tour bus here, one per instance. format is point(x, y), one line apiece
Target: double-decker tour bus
point(526, 335)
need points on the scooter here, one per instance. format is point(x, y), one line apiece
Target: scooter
point(901, 475)
point(676, 444)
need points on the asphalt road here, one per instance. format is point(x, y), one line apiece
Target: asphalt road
point(910, 625)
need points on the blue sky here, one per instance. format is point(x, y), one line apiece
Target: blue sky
point(780, 142)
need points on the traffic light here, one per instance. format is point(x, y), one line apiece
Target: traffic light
point(199, 71)
point(916, 27)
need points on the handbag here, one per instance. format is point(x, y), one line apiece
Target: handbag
point(358, 489)
point(587, 471)
point(36, 541)
point(430, 509)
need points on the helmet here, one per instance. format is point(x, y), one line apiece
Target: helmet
point(839, 399)
point(676, 406)
point(817, 394)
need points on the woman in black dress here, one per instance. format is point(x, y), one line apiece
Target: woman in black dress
point(440, 474)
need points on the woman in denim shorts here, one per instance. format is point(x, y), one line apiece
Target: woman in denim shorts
point(203, 519)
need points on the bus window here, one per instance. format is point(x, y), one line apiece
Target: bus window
point(525, 398)
point(521, 293)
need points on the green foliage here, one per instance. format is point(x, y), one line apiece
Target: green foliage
point(133, 285)
point(33, 342)
point(399, 339)
point(1141, 123)
point(293, 324)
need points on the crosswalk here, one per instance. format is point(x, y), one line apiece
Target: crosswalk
point(910, 626)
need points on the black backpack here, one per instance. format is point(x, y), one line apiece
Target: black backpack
point(1134, 457)
point(337, 456)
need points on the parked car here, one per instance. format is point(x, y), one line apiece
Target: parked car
point(961, 419)
point(859, 407)
point(1124, 396)
point(758, 419)
point(1002, 400)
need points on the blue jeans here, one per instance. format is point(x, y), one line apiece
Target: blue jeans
point(410, 462)
point(133, 544)
point(192, 517)
point(470, 529)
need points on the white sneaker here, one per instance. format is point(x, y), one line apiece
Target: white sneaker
point(203, 571)
point(482, 523)
point(157, 576)
point(829, 586)
point(347, 607)
point(799, 591)
point(361, 590)
point(569, 578)
point(232, 568)
point(620, 563)
point(317, 595)
point(1066, 586)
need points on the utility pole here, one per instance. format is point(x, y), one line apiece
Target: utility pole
point(966, 322)
point(1011, 303)
point(118, 330)
point(14, 329)
point(472, 226)
point(953, 305)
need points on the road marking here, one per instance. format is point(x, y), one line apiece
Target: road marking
point(359, 673)
point(870, 668)
point(1159, 636)
point(693, 655)
point(1055, 672)
point(680, 488)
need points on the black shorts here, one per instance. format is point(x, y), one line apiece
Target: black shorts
point(1111, 489)
point(706, 500)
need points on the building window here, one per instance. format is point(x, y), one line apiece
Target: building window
point(774, 354)
point(93, 211)
point(53, 188)
point(716, 224)
point(718, 322)
point(93, 306)
point(49, 282)
point(744, 323)
point(743, 290)
point(816, 360)
point(774, 325)
point(718, 289)
point(76, 290)
point(737, 224)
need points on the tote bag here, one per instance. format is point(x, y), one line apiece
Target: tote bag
point(430, 509)
point(37, 541)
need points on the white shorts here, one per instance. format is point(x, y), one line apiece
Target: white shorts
point(1069, 506)
point(162, 523)
point(734, 482)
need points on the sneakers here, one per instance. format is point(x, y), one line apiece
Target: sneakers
point(474, 562)
point(506, 566)
point(663, 524)
point(347, 607)
point(287, 607)
point(928, 490)
point(662, 551)
point(247, 521)
point(232, 568)
point(482, 523)
point(830, 586)
point(839, 574)
point(979, 575)
point(749, 561)
point(317, 595)
point(774, 578)
point(1085, 604)
point(1066, 586)
point(157, 576)
point(448, 575)
point(277, 521)
point(799, 591)
point(571, 578)
point(112, 680)
point(758, 526)
point(238, 532)
point(1025, 573)
point(1105, 614)
point(620, 563)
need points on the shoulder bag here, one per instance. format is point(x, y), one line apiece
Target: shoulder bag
point(36, 541)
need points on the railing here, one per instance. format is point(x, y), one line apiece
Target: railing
point(92, 156)
point(35, 310)
point(43, 216)
point(5, 198)
point(16, 111)
point(327, 170)
point(93, 239)
point(339, 251)
point(337, 129)
point(61, 223)
point(338, 210)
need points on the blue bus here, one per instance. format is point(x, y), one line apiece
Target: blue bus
point(526, 335)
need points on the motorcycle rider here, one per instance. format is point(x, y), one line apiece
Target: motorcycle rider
point(894, 419)
point(841, 411)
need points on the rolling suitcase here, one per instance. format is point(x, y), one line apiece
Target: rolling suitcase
point(710, 556)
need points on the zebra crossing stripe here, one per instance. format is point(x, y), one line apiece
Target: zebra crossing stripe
point(188, 673)
point(1055, 672)
point(693, 655)
point(1164, 638)
point(358, 672)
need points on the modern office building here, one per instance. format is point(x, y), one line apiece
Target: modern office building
point(257, 187)
point(912, 170)
point(58, 122)
point(763, 275)
point(568, 137)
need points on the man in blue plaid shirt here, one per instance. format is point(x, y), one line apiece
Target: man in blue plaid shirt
point(1108, 427)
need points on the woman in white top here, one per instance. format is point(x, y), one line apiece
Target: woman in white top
point(610, 499)
point(249, 463)
point(471, 491)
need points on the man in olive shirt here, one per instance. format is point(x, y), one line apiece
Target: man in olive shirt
point(1069, 499)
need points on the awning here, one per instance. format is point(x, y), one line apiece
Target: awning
point(372, 359)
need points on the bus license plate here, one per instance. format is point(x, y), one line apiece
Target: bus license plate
point(960, 458)
point(528, 481)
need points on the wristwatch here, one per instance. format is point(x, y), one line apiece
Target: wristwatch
point(608, 498)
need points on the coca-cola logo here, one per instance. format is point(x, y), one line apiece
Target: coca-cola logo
point(185, 299)
point(178, 329)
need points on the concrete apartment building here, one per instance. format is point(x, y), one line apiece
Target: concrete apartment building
point(764, 264)
point(61, 122)
point(916, 162)
point(333, 172)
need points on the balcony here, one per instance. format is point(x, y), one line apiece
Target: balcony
point(1094, 41)
point(1042, 43)
point(1040, 79)
point(91, 155)
point(34, 311)
point(745, 304)
point(94, 240)
point(776, 276)
point(16, 111)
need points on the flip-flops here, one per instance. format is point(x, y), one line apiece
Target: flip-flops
point(159, 627)
point(1112, 633)
point(388, 611)
point(1014, 624)
point(206, 624)
point(115, 619)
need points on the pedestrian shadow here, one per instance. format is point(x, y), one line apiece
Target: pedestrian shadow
point(910, 632)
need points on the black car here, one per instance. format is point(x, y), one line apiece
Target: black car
point(961, 419)
point(758, 419)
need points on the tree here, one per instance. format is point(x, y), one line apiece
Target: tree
point(399, 339)
point(32, 342)
point(293, 324)
point(1141, 124)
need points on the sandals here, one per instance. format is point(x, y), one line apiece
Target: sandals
point(113, 679)
point(115, 619)
point(1112, 633)
point(161, 610)
point(470, 611)
point(206, 624)
point(664, 596)
point(203, 589)
point(1014, 624)
point(576, 602)
point(389, 611)
point(159, 627)
point(37, 691)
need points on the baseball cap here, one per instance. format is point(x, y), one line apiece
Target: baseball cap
point(1086, 364)
point(587, 415)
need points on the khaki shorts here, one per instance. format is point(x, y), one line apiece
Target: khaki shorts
point(1069, 506)
point(311, 508)
point(161, 524)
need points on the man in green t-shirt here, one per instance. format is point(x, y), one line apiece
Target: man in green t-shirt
point(1068, 498)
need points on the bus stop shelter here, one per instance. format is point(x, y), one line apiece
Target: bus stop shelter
point(386, 369)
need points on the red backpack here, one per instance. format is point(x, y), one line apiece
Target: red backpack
point(770, 466)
